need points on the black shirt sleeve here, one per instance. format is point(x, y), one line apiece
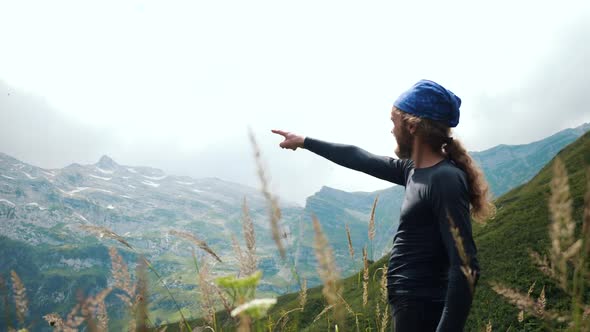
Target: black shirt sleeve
point(449, 197)
point(350, 156)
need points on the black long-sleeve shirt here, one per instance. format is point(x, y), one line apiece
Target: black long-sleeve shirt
point(424, 260)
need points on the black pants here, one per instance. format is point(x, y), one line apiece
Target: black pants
point(415, 314)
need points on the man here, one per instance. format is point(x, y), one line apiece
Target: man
point(430, 286)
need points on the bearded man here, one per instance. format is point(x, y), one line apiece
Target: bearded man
point(430, 283)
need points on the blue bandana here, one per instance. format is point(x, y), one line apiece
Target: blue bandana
point(427, 99)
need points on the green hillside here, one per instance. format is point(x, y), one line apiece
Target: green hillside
point(521, 224)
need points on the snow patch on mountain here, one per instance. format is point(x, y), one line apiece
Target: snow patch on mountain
point(150, 183)
point(77, 190)
point(99, 177)
point(29, 175)
point(104, 171)
point(2, 200)
point(155, 178)
point(103, 190)
point(35, 204)
point(48, 173)
point(81, 217)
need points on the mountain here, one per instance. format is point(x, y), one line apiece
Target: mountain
point(507, 166)
point(42, 211)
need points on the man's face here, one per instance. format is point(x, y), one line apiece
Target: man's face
point(402, 135)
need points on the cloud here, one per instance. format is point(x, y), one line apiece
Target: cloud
point(34, 132)
point(552, 98)
point(204, 136)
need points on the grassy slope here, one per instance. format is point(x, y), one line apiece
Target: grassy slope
point(503, 243)
point(522, 224)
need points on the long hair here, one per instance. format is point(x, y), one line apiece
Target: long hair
point(438, 136)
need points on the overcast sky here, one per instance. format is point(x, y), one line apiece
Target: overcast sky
point(175, 85)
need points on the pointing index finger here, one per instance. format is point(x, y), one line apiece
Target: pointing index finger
point(280, 132)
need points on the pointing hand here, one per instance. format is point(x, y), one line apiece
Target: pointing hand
point(292, 141)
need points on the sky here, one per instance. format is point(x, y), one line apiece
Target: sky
point(176, 85)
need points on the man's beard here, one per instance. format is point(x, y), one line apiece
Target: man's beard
point(404, 145)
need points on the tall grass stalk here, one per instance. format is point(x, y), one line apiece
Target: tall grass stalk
point(372, 228)
point(274, 210)
point(196, 241)
point(568, 258)
point(105, 232)
point(20, 297)
point(328, 271)
point(141, 317)
point(350, 247)
point(365, 277)
point(251, 263)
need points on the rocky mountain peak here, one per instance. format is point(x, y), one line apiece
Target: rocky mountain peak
point(106, 162)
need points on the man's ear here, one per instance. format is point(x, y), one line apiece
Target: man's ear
point(411, 128)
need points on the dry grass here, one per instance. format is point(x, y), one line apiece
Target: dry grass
point(122, 278)
point(562, 227)
point(384, 299)
point(20, 297)
point(372, 219)
point(239, 255)
point(251, 261)
point(528, 304)
point(350, 248)
point(248, 261)
point(328, 271)
point(134, 294)
point(102, 232)
point(274, 210)
point(207, 291)
point(55, 321)
point(365, 277)
point(566, 253)
point(91, 310)
point(542, 264)
point(541, 303)
point(141, 308)
point(586, 218)
point(303, 294)
point(198, 242)
point(326, 309)
point(100, 310)
point(465, 266)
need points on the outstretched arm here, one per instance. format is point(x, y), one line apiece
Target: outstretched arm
point(350, 156)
